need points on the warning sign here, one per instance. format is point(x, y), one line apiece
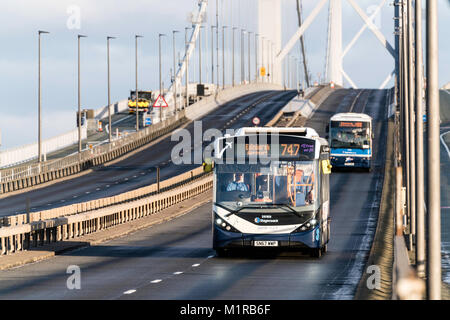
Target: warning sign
point(263, 71)
point(160, 102)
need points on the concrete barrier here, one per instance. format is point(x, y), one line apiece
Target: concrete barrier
point(51, 229)
point(29, 152)
point(77, 208)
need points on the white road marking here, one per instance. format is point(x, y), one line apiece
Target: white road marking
point(156, 281)
point(196, 265)
point(129, 291)
point(178, 272)
point(123, 119)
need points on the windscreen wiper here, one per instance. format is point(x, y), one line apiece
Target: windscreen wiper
point(231, 212)
point(285, 205)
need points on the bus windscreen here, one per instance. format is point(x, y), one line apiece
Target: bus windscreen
point(350, 134)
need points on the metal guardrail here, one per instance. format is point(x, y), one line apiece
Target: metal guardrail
point(81, 207)
point(22, 237)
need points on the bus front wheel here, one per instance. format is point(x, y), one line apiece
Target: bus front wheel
point(220, 252)
point(316, 252)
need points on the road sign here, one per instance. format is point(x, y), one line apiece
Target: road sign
point(147, 120)
point(263, 71)
point(256, 121)
point(160, 102)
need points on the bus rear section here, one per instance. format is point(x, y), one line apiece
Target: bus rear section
point(280, 201)
point(350, 138)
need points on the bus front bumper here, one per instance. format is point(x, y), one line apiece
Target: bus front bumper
point(350, 162)
point(298, 240)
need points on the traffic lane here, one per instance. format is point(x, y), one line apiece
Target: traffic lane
point(236, 278)
point(445, 210)
point(139, 169)
point(354, 209)
point(445, 183)
point(278, 275)
point(120, 265)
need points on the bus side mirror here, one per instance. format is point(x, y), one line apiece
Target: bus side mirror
point(326, 166)
point(327, 128)
point(208, 165)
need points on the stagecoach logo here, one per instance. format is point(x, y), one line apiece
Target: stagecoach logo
point(265, 219)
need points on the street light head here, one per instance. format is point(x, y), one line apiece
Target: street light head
point(111, 38)
point(175, 31)
point(41, 31)
point(138, 36)
point(81, 36)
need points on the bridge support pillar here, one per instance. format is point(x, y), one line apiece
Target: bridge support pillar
point(334, 55)
point(269, 29)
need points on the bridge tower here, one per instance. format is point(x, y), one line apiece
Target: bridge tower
point(269, 29)
point(334, 54)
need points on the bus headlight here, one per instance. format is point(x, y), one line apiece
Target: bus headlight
point(309, 225)
point(222, 224)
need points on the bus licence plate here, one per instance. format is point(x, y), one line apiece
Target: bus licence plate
point(260, 243)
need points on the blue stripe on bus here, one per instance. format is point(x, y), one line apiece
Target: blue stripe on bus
point(349, 152)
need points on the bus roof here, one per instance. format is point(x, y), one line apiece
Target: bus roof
point(351, 116)
point(305, 132)
point(296, 131)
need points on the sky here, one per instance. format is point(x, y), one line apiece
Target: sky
point(368, 63)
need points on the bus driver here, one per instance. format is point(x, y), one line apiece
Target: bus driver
point(238, 183)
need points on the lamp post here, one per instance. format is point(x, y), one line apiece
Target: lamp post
point(39, 97)
point(200, 54)
point(433, 173)
point(109, 89)
point(223, 56)
point(187, 65)
point(420, 180)
point(137, 87)
point(256, 57)
point(174, 71)
point(242, 57)
point(160, 75)
point(79, 94)
point(249, 68)
point(212, 54)
point(232, 65)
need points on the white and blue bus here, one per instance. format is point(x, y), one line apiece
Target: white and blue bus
point(271, 190)
point(350, 137)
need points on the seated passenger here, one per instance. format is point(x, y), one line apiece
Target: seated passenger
point(238, 184)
